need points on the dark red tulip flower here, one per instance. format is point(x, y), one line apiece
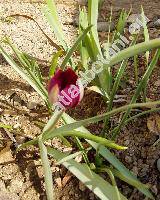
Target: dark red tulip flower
point(65, 89)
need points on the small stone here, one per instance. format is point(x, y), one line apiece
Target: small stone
point(82, 186)
point(135, 170)
point(104, 26)
point(91, 196)
point(154, 189)
point(158, 164)
point(126, 143)
point(31, 105)
point(128, 159)
point(157, 83)
point(82, 2)
point(17, 125)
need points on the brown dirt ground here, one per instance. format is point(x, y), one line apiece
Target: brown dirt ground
point(21, 175)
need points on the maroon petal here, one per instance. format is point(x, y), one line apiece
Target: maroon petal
point(65, 88)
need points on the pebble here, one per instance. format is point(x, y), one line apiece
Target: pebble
point(128, 159)
point(31, 105)
point(158, 164)
point(104, 26)
point(82, 187)
point(82, 2)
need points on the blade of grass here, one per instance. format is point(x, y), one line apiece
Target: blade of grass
point(83, 22)
point(79, 134)
point(5, 126)
point(74, 47)
point(92, 19)
point(141, 114)
point(120, 25)
point(109, 172)
point(133, 50)
point(108, 156)
point(23, 74)
point(136, 68)
point(71, 156)
point(54, 62)
point(132, 182)
point(47, 171)
point(140, 87)
point(50, 13)
point(93, 181)
point(69, 127)
point(146, 36)
point(146, 33)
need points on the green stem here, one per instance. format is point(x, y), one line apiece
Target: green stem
point(52, 122)
point(109, 172)
point(136, 68)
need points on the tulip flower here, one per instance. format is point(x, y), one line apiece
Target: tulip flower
point(65, 89)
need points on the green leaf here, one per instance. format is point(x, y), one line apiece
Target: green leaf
point(146, 33)
point(47, 171)
point(23, 74)
point(79, 134)
point(74, 47)
point(139, 89)
point(133, 50)
point(113, 183)
point(75, 125)
point(52, 16)
point(120, 25)
point(140, 186)
point(71, 156)
point(92, 19)
point(83, 23)
point(93, 181)
point(54, 62)
point(107, 155)
point(5, 126)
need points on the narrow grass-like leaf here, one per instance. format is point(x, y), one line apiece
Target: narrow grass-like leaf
point(141, 114)
point(139, 89)
point(100, 140)
point(52, 122)
point(75, 125)
point(107, 155)
point(146, 33)
point(74, 47)
point(47, 171)
point(136, 68)
point(91, 180)
point(83, 22)
point(120, 25)
point(54, 62)
point(140, 186)
point(92, 19)
point(133, 50)
point(53, 10)
point(22, 73)
point(5, 126)
point(109, 172)
point(71, 156)
point(52, 17)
